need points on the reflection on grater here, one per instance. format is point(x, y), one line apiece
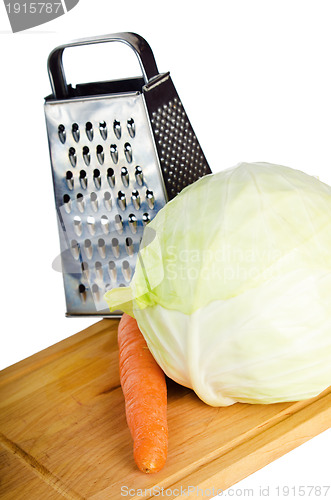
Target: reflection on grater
point(119, 151)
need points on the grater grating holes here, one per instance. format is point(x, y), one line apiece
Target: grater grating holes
point(70, 180)
point(146, 218)
point(80, 202)
point(103, 130)
point(100, 154)
point(102, 248)
point(82, 292)
point(129, 246)
point(94, 201)
point(75, 132)
point(121, 200)
point(105, 224)
point(111, 177)
point(114, 153)
point(112, 271)
point(72, 156)
point(128, 152)
point(135, 197)
point(97, 178)
point(67, 203)
point(86, 155)
point(118, 223)
point(78, 227)
point(150, 198)
point(133, 223)
point(125, 176)
point(126, 270)
point(62, 133)
point(107, 200)
point(131, 127)
point(95, 292)
point(117, 129)
point(89, 131)
point(115, 247)
point(88, 248)
point(83, 179)
point(74, 247)
point(98, 270)
point(98, 265)
point(91, 224)
point(139, 175)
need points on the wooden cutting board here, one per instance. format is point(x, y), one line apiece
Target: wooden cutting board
point(64, 433)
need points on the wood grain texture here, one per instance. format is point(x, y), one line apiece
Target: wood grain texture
point(64, 433)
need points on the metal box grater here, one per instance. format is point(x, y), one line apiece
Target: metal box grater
point(119, 151)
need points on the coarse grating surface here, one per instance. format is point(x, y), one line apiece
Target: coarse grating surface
point(182, 160)
point(108, 185)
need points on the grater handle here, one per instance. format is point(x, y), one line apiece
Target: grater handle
point(136, 42)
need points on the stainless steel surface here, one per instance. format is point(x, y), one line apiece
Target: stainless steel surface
point(89, 198)
point(135, 42)
point(119, 151)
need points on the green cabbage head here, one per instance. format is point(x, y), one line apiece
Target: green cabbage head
point(232, 287)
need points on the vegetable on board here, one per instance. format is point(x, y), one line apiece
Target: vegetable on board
point(145, 392)
point(232, 286)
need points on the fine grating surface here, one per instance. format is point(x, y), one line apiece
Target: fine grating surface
point(181, 157)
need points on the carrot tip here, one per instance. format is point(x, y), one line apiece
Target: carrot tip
point(150, 461)
point(150, 469)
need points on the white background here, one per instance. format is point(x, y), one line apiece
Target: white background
point(254, 77)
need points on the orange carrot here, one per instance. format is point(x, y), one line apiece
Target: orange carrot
point(145, 393)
